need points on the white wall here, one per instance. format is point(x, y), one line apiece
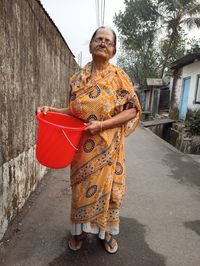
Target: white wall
point(191, 70)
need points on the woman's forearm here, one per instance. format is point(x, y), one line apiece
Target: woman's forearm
point(45, 109)
point(119, 119)
point(59, 110)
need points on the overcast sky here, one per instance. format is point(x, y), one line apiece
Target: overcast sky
point(77, 20)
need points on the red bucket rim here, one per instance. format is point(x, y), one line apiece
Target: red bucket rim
point(39, 118)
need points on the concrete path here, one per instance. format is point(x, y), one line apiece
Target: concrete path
point(160, 217)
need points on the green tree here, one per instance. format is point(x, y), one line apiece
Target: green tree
point(136, 65)
point(137, 27)
point(175, 15)
point(152, 34)
point(193, 46)
point(177, 50)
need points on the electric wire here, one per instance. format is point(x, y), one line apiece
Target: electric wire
point(100, 12)
point(97, 12)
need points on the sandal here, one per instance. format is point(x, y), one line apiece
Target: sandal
point(75, 242)
point(108, 245)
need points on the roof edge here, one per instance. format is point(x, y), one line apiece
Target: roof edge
point(185, 60)
point(51, 20)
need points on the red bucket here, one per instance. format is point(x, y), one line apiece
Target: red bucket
point(57, 139)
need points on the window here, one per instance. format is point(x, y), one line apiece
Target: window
point(197, 97)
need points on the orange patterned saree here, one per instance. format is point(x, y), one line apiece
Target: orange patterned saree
point(98, 169)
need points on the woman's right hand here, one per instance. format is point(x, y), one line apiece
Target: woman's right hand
point(45, 109)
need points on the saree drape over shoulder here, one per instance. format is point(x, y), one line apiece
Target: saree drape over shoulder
point(98, 169)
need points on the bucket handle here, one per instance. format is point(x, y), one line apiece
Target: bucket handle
point(68, 139)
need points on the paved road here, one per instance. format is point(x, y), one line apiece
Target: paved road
point(160, 218)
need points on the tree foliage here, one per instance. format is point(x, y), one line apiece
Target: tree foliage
point(152, 34)
point(193, 122)
point(193, 46)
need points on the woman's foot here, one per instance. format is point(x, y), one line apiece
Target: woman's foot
point(110, 244)
point(75, 242)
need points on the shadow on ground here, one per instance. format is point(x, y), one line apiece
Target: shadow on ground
point(183, 169)
point(133, 250)
point(193, 225)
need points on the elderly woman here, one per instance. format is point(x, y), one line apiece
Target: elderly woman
point(102, 96)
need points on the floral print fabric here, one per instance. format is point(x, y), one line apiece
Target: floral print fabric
point(98, 169)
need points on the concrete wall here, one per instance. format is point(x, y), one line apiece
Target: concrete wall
point(192, 71)
point(177, 138)
point(35, 65)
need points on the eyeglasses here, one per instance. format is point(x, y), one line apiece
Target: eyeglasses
point(105, 41)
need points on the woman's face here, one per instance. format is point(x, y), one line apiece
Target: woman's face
point(102, 46)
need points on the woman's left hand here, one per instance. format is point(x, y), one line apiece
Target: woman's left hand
point(94, 127)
